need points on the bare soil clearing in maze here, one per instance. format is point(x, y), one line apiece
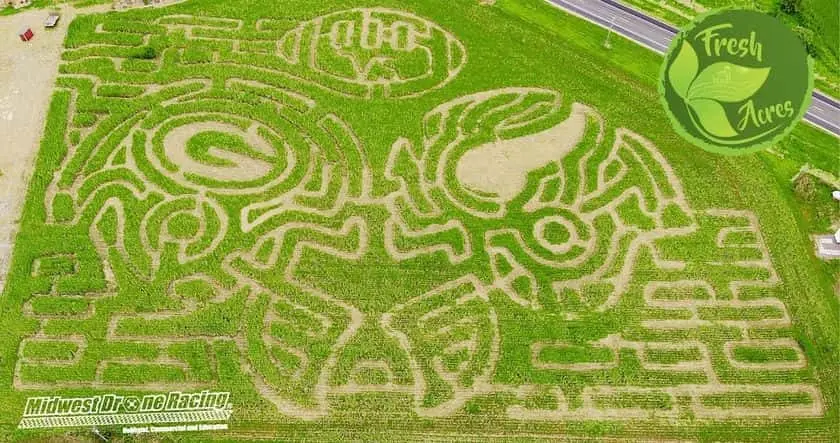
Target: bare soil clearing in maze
point(333, 217)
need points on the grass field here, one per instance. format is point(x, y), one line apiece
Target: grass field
point(408, 220)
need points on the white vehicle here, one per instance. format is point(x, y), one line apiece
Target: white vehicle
point(836, 195)
point(837, 237)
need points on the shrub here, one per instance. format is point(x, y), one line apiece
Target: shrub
point(805, 187)
point(807, 37)
point(792, 7)
point(145, 53)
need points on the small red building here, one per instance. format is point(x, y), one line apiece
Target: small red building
point(26, 33)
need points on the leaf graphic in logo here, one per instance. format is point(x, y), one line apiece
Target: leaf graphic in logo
point(728, 82)
point(683, 70)
point(712, 117)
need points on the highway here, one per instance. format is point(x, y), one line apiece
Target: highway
point(656, 35)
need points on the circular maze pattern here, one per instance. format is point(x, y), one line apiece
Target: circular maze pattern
point(195, 226)
point(388, 52)
point(217, 144)
point(203, 153)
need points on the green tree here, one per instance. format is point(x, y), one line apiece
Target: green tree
point(807, 37)
point(791, 7)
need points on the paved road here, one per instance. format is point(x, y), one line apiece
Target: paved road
point(657, 35)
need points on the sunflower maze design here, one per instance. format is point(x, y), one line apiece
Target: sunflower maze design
point(202, 175)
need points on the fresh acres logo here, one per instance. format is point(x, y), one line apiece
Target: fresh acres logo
point(736, 81)
point(112, 409)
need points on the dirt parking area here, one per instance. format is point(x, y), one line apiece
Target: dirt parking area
point(27, 75)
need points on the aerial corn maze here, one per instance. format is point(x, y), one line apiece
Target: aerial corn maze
point(361, 219)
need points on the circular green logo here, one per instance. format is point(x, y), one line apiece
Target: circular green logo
point(736, 81)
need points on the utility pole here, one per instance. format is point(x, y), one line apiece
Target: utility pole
point(96, 432)
point(609, 33)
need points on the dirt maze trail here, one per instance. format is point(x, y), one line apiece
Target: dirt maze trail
point(210, 190)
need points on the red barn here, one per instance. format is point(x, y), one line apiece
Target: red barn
point(26, 33)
